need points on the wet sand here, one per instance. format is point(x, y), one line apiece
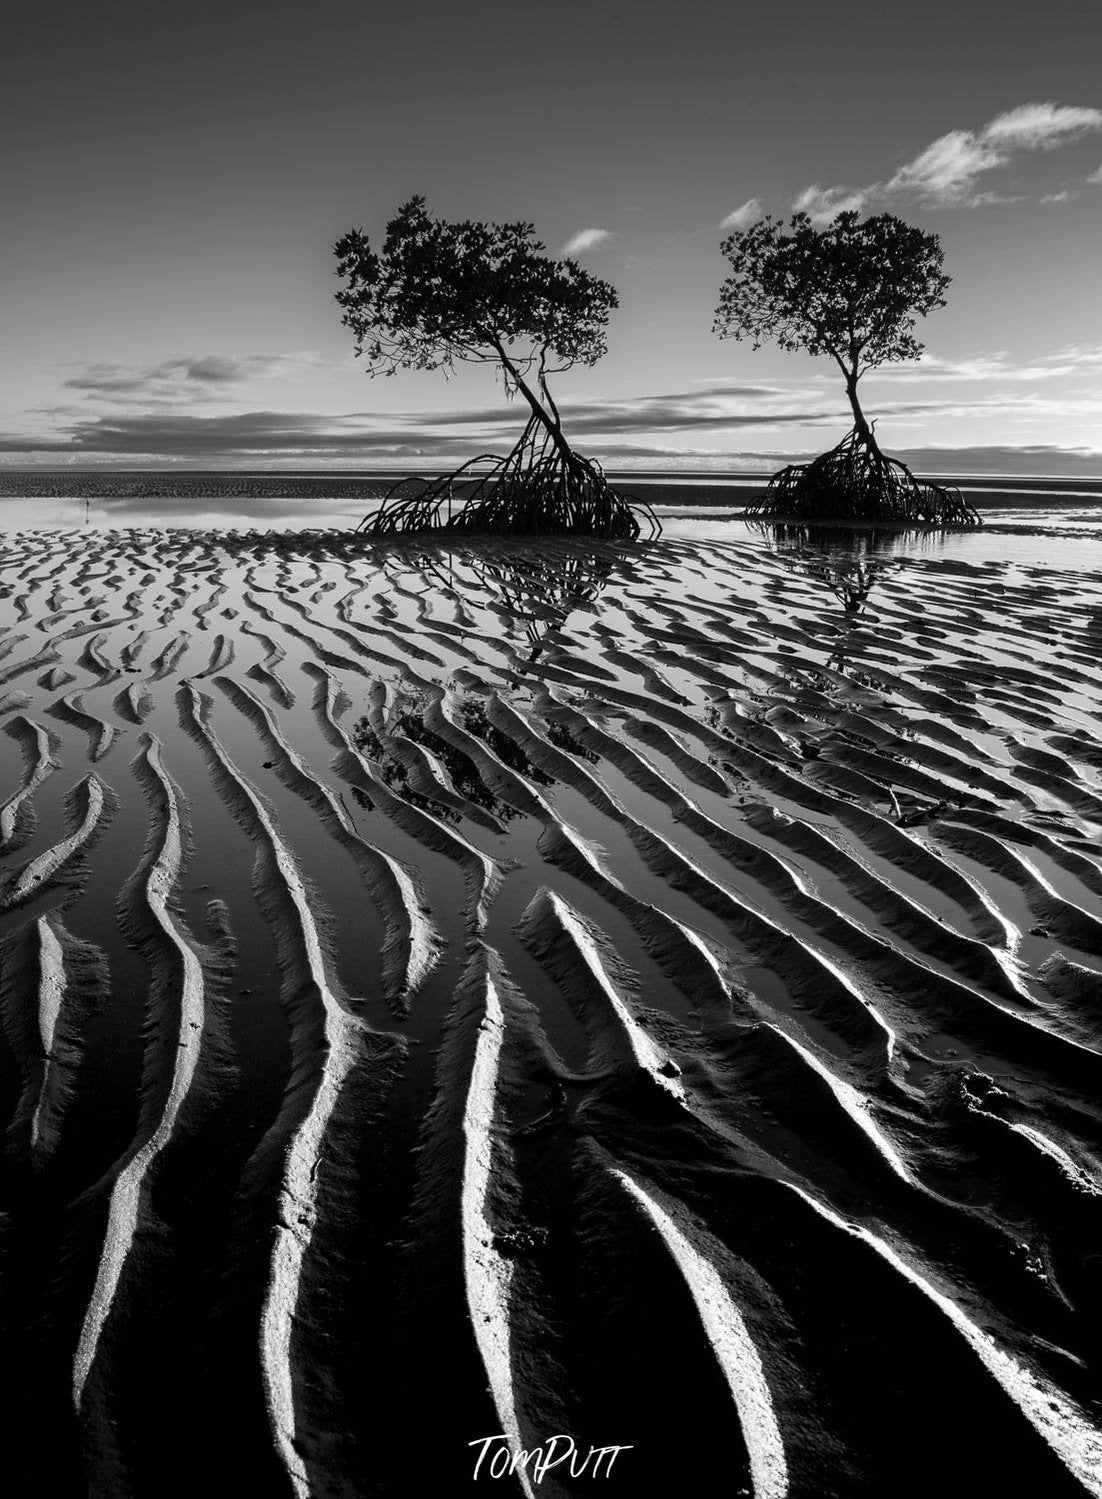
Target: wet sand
point(650, 994)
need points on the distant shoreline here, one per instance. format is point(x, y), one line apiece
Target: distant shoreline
point(683, 490)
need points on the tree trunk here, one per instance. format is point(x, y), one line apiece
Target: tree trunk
point(864, 431)
point(539, 411)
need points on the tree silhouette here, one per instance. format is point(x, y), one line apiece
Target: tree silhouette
point(853, 291)
point(442, 293)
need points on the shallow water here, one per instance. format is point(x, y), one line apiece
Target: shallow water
point(1064, 538)
point(648, 993)
point(1062, 527)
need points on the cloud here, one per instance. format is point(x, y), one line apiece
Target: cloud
point(1095, 177)
point(1077, 360)
point(946, 173)
point(308, 436)
point(1033, 127)
point(188, 378)
point(232, 437)
point(586, 240)
point(252, 436)
point(1029, 460)
point(1007, 408)
point(947, 170)
point(822, 203)
point(707, 412)
point(711, 403)
point(743, 217)
point(619, 421)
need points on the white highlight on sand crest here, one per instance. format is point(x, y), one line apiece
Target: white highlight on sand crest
point(44, 764)
point(733, 1347)
point(1072, 1170)
point(487, 1273)
point(420, 931)
point(855, 1104)
point(125, 1205)
point(298, 1190)
point(39, 870)
point(649, 1056)
point(1054, 1415)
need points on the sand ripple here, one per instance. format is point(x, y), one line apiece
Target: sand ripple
point(634, 993)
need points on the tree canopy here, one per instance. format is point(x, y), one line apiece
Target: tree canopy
point(852, 290)
point(441, 292)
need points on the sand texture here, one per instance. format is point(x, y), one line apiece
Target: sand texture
point(647, 994)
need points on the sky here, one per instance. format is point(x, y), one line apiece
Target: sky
point(174, 179)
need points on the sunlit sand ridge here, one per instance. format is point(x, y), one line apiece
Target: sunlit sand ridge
point(646, 994)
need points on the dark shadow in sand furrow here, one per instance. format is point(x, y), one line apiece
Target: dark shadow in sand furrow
point(331, 1048)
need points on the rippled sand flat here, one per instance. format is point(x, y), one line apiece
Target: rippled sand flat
point(648, 994)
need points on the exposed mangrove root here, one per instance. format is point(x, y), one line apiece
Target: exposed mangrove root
point(856, 481)
point(541, 487)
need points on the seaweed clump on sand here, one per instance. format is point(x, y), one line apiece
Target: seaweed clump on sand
point(442, 292)
point(851, 291)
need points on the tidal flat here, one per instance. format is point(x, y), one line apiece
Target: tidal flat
point(646, 993)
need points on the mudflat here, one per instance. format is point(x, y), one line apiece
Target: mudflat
point(644, 994)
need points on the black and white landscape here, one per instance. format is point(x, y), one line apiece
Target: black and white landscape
point(603, 995)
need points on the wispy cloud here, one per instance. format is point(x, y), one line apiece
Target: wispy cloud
point(252, 436)
point(822, 203)
point(947, 172)
point(990, 386)
point(658, 414)
point(744, 216)
point(1017, 408)
point(1048, 459)
point(712, 404)
point(586, 240)
point(305, 437)
point(1078, 360)
point(233, 438)
point(930, 368)
point(1095, 177)
point(1041, 127)
point(189, 378)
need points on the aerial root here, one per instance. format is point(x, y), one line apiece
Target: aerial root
point(856, 481)
point(537, 488)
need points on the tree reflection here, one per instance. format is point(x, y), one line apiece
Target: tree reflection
point(539, 587)
point(542, 594)
point(848, 560)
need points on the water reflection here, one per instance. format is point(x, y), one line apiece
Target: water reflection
point(539, 586)
point(863, 541)
point(848, 560)
point(541, 594)
point(198, 511)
